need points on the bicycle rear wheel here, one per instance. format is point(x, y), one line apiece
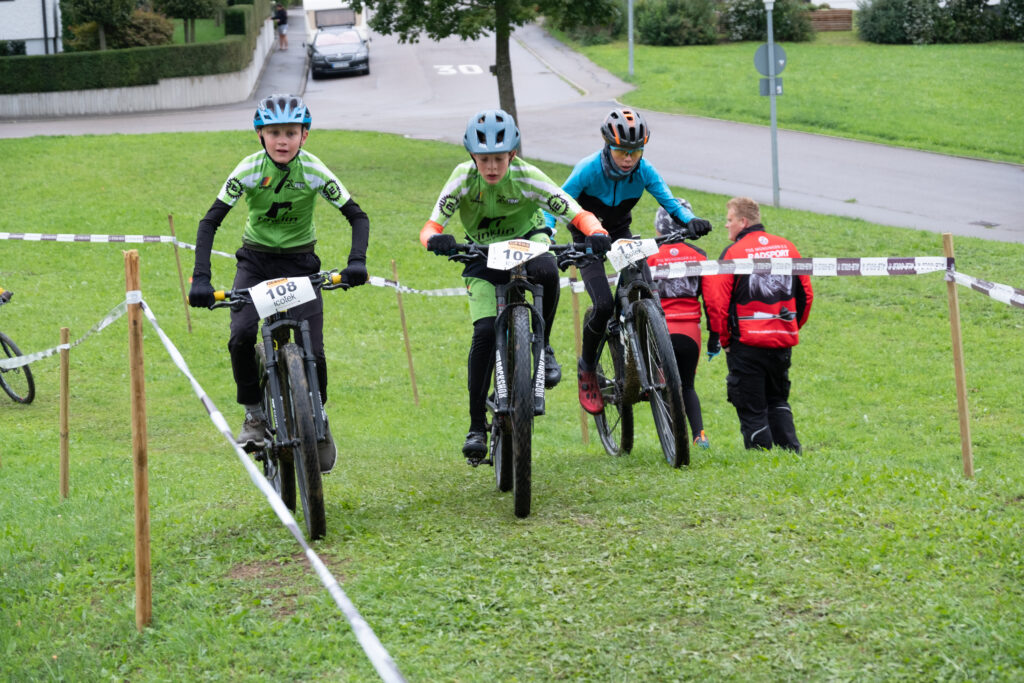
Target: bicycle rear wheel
point(666, 395)
point(279, 470)
point(302, 430)
point(615, 422)
point(521, 390)
point(17, 382)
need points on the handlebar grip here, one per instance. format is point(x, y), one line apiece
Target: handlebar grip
point(335, 278)
point(220, 295)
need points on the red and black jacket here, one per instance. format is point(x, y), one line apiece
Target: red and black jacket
point(765, 310)
point(679, 295)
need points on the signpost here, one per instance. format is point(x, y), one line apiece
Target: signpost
point(770, 60)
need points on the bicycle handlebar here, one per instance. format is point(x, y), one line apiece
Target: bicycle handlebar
point(566, 254)
point(325, 279)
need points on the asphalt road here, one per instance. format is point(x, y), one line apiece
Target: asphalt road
point(429, 90)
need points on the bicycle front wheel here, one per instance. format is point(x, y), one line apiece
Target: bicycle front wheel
point(302, 430)
point(666, 392)
point(17, 382)
point(615, 422)
point(501, 451)
point(279, 469)
point(521, 390)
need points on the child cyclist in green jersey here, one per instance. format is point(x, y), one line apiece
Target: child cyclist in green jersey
point(499, 197)
point(280, 185)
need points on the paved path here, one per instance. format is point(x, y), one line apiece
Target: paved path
point(562, 98)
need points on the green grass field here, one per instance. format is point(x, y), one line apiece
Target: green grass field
point(869, 557)
point(955, 99)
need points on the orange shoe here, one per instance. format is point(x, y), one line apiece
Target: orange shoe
point(590, 395)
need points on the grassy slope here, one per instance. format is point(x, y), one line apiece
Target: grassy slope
point(869, 557)
point(956, 99)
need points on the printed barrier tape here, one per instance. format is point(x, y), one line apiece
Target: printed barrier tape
point(16, 362)
point(100, 239)
point(1004, 293)
point(375, 651)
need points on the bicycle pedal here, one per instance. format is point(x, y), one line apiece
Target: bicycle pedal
point(476, 462)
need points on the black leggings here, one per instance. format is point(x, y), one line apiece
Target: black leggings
point(687, 354)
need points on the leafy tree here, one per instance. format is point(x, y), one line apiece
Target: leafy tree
point(108, 14)
point(470, 20)
point(188, 11)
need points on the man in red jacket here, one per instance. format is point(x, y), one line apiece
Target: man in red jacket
point(758, 319)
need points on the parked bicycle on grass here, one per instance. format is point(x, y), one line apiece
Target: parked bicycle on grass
point(17, 382)
point(290, 390)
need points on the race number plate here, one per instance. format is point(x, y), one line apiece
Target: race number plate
point(275, 296)
point(508, 255)
point(625, 252)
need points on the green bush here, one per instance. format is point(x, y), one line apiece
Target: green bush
point(748, 20)
point(1011, 19)
point(676, 22)
point(143, 29)
point(603, 23)
point(966, 21)
point(923, 22)
point(10, 48)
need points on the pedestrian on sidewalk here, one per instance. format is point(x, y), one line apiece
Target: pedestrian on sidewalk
point(281, 22)
point(758, 319)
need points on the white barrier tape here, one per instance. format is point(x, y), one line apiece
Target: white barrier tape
point(375, 651)
point(863, 266)
point(1003, 293)
point(18, 361)
point(383, 282)
point(99, 239)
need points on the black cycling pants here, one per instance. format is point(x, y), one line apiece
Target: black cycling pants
point(255, 267)
point(758, 387)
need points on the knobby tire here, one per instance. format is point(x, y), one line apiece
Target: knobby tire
point(17, 382)
point(302, 430)
point(280, 470)
point(615, 422)
point(666, 396)
point(521, 390)
point(501, 451)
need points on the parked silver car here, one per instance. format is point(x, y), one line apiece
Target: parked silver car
point(338, 50)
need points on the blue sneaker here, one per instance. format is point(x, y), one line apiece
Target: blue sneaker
point(702, 440)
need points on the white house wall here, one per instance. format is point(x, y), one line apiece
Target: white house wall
point(23, 20)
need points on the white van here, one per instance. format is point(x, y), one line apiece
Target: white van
point(323, 13)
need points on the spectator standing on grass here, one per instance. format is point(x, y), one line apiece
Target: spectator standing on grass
point(609, 183)
point(281, 21)
point(280, 185)
point(758, 319)
point(680, 299)
point(499, 196)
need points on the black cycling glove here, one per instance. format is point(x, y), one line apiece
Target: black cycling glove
point(599, 243)
point(441, 244)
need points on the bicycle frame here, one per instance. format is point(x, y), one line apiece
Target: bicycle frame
point(509, 296)
point(276, 332)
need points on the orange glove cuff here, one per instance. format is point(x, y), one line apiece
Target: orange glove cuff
point(429, 230)
point(588, 224)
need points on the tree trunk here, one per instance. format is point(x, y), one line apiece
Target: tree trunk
point(191, 34)
point(102, 35)
point(502, 60)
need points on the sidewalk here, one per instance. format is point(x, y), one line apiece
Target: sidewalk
point(286, 70)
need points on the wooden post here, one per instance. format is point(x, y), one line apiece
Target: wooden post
point(584, 424)
point(181, 278)
point(405, 335)
point(958, 365)
point(65, 337)
point(143, 579)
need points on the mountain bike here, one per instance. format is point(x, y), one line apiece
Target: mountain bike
point(17, 382)
point(635, 359)
point(518, 394)
point(290, 390)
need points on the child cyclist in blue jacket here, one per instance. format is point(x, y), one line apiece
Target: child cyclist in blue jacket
point(280, 185)
point(609, 183)
point(499, 197)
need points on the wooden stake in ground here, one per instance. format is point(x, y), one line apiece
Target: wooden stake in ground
point(143, 578)
point(181, 278)
point(958, 365)
point(405, 335)
point(584, 424)
point(65, 338)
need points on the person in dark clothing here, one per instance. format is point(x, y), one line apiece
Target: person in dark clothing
point(758, 318)
point(281, 22)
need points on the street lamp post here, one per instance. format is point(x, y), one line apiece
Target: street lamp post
point(768, 5)
point(629, 31)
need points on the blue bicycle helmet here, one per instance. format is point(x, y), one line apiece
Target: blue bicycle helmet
point(491, 131)
point(282, 109)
